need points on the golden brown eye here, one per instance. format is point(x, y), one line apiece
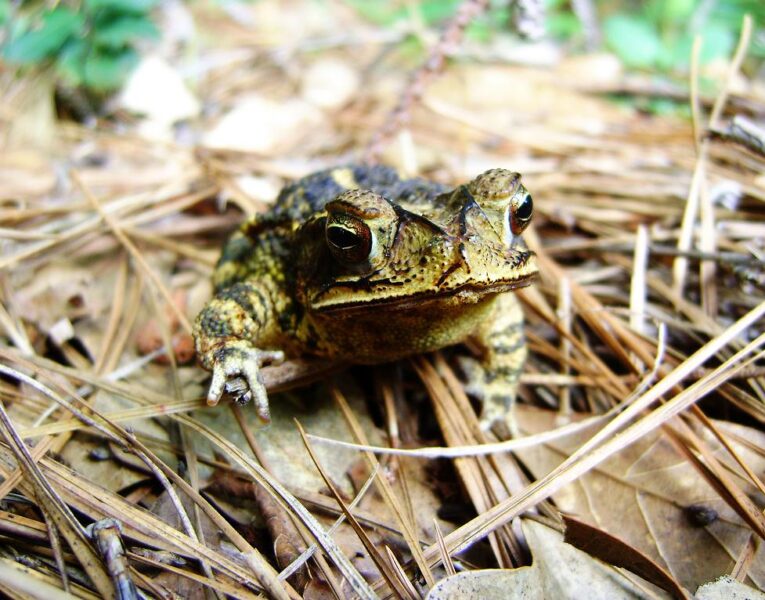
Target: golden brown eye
point(349, 239)
point(521, 211)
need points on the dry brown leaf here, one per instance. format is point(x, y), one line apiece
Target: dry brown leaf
point(58, 515)
point(558, 570)
point(614, 551)
point(26, 174)
point(727, 588)
point(280, 441)
point(645, 494)
point(264, 126)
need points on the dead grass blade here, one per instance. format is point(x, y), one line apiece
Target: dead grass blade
point(138, 523)
point(648, 230)
point(384, 566)
point(712, 470)
point(695, 193)
point(401, 578)
point(458, 424)
point(590, 455)
point(288, 500)
point(22, 582)
point(303, 558)
point(263, 571)
point(709, 424)
point(56, 510)
point(385, 489)
point(676, 376)
point(221, 586)
point(459, 451)
point(446, 560)
point(134, 252)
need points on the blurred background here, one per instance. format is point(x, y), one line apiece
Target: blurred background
point(175, 70)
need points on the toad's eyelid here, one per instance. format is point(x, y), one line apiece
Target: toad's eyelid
point(341, 207)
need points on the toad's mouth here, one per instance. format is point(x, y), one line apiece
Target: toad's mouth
point(468, 293)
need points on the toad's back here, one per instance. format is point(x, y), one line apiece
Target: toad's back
point(264, 245)
point(309, 195)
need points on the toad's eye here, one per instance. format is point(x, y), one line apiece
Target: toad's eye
point(521, 209)
point(349, 238)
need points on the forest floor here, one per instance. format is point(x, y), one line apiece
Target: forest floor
point(641, 408)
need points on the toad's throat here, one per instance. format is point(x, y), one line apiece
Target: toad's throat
point(468, 293)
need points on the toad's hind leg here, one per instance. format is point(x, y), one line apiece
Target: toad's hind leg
point(496, 377)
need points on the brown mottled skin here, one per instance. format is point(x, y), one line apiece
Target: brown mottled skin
point(357, 264)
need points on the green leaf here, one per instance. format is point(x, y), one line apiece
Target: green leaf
point(717, 42)
point(435, 11)
point(70, 64)
point(105, 70)
point(5, 10)
point(732, 12)
point(653, 11)
point(679, 11)
point(563, 25)
point(664, 107)
point(380, 12)
point(633, 39)
point(411, 49)
point(668, 12)
point(479, 31)
point(122, 6)
point(119, 32)
point(35, 45)
point(679, 55)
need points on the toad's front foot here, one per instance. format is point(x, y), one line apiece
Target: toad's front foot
point(236, 370)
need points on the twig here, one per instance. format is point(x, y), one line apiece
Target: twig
point(529, 17)
point(107, 536)
point(689, 216)
point(587, 14)
point(446, 46)
point(311, 550)
point(742, 131)
point(465, 451)
point(134, 252)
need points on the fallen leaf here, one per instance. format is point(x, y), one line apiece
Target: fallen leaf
point(643, 494)
point(727, 588)
point(558, 571)
point(330, 83)
point(157, 91)
point(614, 551)
point(264, 126)
point(280, 441)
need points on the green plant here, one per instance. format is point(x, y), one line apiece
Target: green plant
point(659, 35)
point(561, 22)
point(88, 44)
point(433, 13)
point(655, 34)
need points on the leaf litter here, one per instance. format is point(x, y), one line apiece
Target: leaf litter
point(647, 319)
